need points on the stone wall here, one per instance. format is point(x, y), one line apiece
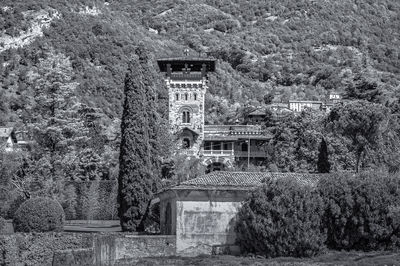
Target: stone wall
point(72, 257)
point(194, 103)
point(109, 249)
point(38, 248)
point(81, 248)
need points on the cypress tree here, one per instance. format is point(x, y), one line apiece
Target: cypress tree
point(136, 177)
point(323, 163)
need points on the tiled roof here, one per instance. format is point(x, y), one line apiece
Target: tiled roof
point(243, 180)
point(258, 112)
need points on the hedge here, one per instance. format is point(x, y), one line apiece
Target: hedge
point(39, 215)
point(90, 200)
point(343, 212)
point(3, 223)
point(361, 212)
point(282, 218)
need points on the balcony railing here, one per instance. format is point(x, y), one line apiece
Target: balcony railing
point(185, 76)
point(218, 152)
point(257, 154)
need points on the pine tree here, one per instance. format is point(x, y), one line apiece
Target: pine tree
point(138, 144)
point(323, 163)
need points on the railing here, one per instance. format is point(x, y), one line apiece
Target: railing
point(184, 76)
point(234, 153)
point(233, 129)
point(218, 152)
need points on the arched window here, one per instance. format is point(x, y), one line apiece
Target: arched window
point(195, 96)
point(186, 97)
point(186, 117)
point(186, 143)
point(177, 96)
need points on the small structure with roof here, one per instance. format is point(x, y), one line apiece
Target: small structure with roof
point(8, 140)
point(202, 212)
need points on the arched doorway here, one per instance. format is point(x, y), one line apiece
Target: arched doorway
point(215, 166)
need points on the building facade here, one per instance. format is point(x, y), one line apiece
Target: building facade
point(299, 106)
point(220, 146)
point(202, 212)
point(186, 81)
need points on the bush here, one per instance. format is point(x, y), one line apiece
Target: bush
point(282, 218)
point(2, 224)
point(14, 205)
point(39, 215)
point(362, 212)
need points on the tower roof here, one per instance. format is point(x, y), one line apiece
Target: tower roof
point(194, 63)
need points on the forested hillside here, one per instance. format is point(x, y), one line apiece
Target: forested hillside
point(72, 56)
point(63, 65)
point(296, 49)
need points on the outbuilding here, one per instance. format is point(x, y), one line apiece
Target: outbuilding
point(202, 212)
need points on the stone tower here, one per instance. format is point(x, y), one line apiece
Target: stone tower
point(186, 80)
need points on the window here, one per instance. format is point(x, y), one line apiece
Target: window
point(186, 143)
point(186, 97)
point(177, 96)
point(227, 146)
point(207, 145)
point(195, 96)
point(245, 147)
point(217, 146)
point(186, 117)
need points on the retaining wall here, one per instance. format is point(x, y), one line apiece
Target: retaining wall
point(81, 248)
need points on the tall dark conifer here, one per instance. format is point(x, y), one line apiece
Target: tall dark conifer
point(323, 163)
point(136, 177)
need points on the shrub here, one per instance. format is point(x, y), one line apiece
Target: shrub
point(39, 215)
point(2, 224)
point(282, 218)
point(362, 212)
point(14, 205)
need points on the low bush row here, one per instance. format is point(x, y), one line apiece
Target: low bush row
point(343, 212)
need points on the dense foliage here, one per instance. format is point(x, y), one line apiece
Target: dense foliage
point(3, 223)
point(282, 218)
point(343, 212)
point(362, 212)
point(363, 123)
point(39, 215)
point(62, 67)
point(138, 152)
point(323, 164)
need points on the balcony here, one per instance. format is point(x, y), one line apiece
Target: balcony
point(186, 76)
point(218, 153)
point(229, 153)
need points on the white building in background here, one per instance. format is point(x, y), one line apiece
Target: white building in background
point(299, 106)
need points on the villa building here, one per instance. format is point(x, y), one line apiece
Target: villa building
point(218, 145)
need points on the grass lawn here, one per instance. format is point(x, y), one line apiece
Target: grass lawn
point(330, 258)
